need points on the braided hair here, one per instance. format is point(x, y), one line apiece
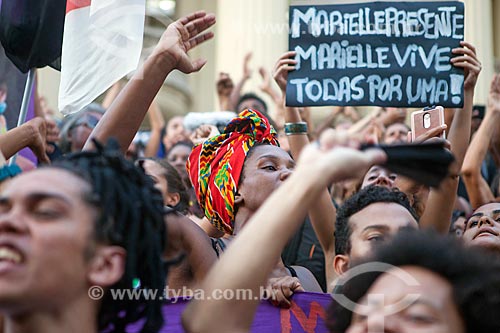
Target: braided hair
point(131, 216)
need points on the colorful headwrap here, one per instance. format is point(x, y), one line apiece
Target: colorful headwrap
point(215, 166)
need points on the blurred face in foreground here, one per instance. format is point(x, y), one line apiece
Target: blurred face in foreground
point(48, 255)
point(45, 233)
point(384, 307)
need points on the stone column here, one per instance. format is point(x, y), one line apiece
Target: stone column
point(48, 85)
point(202, 84)
point(260, 26)
point(496, 32)
point(479, 31)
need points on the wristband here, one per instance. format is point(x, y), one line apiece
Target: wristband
point(3, 107)
point(9, 171)
point(296, 128)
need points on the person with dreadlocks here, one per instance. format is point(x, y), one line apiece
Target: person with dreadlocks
point(127, 112)
point(235, 172)
point(72, 231)
point(125, 115)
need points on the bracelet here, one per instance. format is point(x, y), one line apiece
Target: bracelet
point(296, 128)
point(3, 107)
point(9, 171)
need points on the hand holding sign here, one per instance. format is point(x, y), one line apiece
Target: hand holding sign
point(284, 65)
point(280, 290)
point(469, 62)
point(381, 53)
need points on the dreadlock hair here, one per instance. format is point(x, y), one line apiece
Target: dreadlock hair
point(131, 216)
point(175, 184)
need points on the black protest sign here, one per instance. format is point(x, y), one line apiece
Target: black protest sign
point(380, 53)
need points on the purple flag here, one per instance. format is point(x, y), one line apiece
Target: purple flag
point(308, 313)
point(26, 152)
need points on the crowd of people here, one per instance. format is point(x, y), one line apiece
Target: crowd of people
point(271, 202)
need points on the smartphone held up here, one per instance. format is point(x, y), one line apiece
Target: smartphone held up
point(425, 120)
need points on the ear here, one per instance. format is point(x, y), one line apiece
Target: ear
point(69, 135)
point(411, 199)
point(238, 199)
point(173, 199)
point(107, 266)
point(341, 264)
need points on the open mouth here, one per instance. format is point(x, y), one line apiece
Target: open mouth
point(9, 254)
point(486, 233)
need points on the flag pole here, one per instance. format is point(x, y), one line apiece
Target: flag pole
point(25, 104)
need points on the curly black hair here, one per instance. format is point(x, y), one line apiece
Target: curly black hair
point(474, 276)
point(357, 202)
point(130, 215)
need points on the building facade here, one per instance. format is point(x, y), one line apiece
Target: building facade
point(261, 27)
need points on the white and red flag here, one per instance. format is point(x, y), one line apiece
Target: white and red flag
point(102, 43)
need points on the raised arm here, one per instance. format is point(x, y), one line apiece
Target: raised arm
point(440, 203)
point(31, 134)
point(328, 120)
point(267, 88)
point(236, 92)
point(292, 115)
point(157, 124)
point(264, 237)
point(276, 96)
point(111, 95)
point(460, 128)
point(323, 211)
point(365, 122)
point(224, 86)
point(123, 118)
point(477, 187)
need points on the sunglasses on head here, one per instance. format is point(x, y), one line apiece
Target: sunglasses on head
point(87, 120)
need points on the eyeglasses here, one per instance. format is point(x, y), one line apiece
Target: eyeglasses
point(87, 120)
